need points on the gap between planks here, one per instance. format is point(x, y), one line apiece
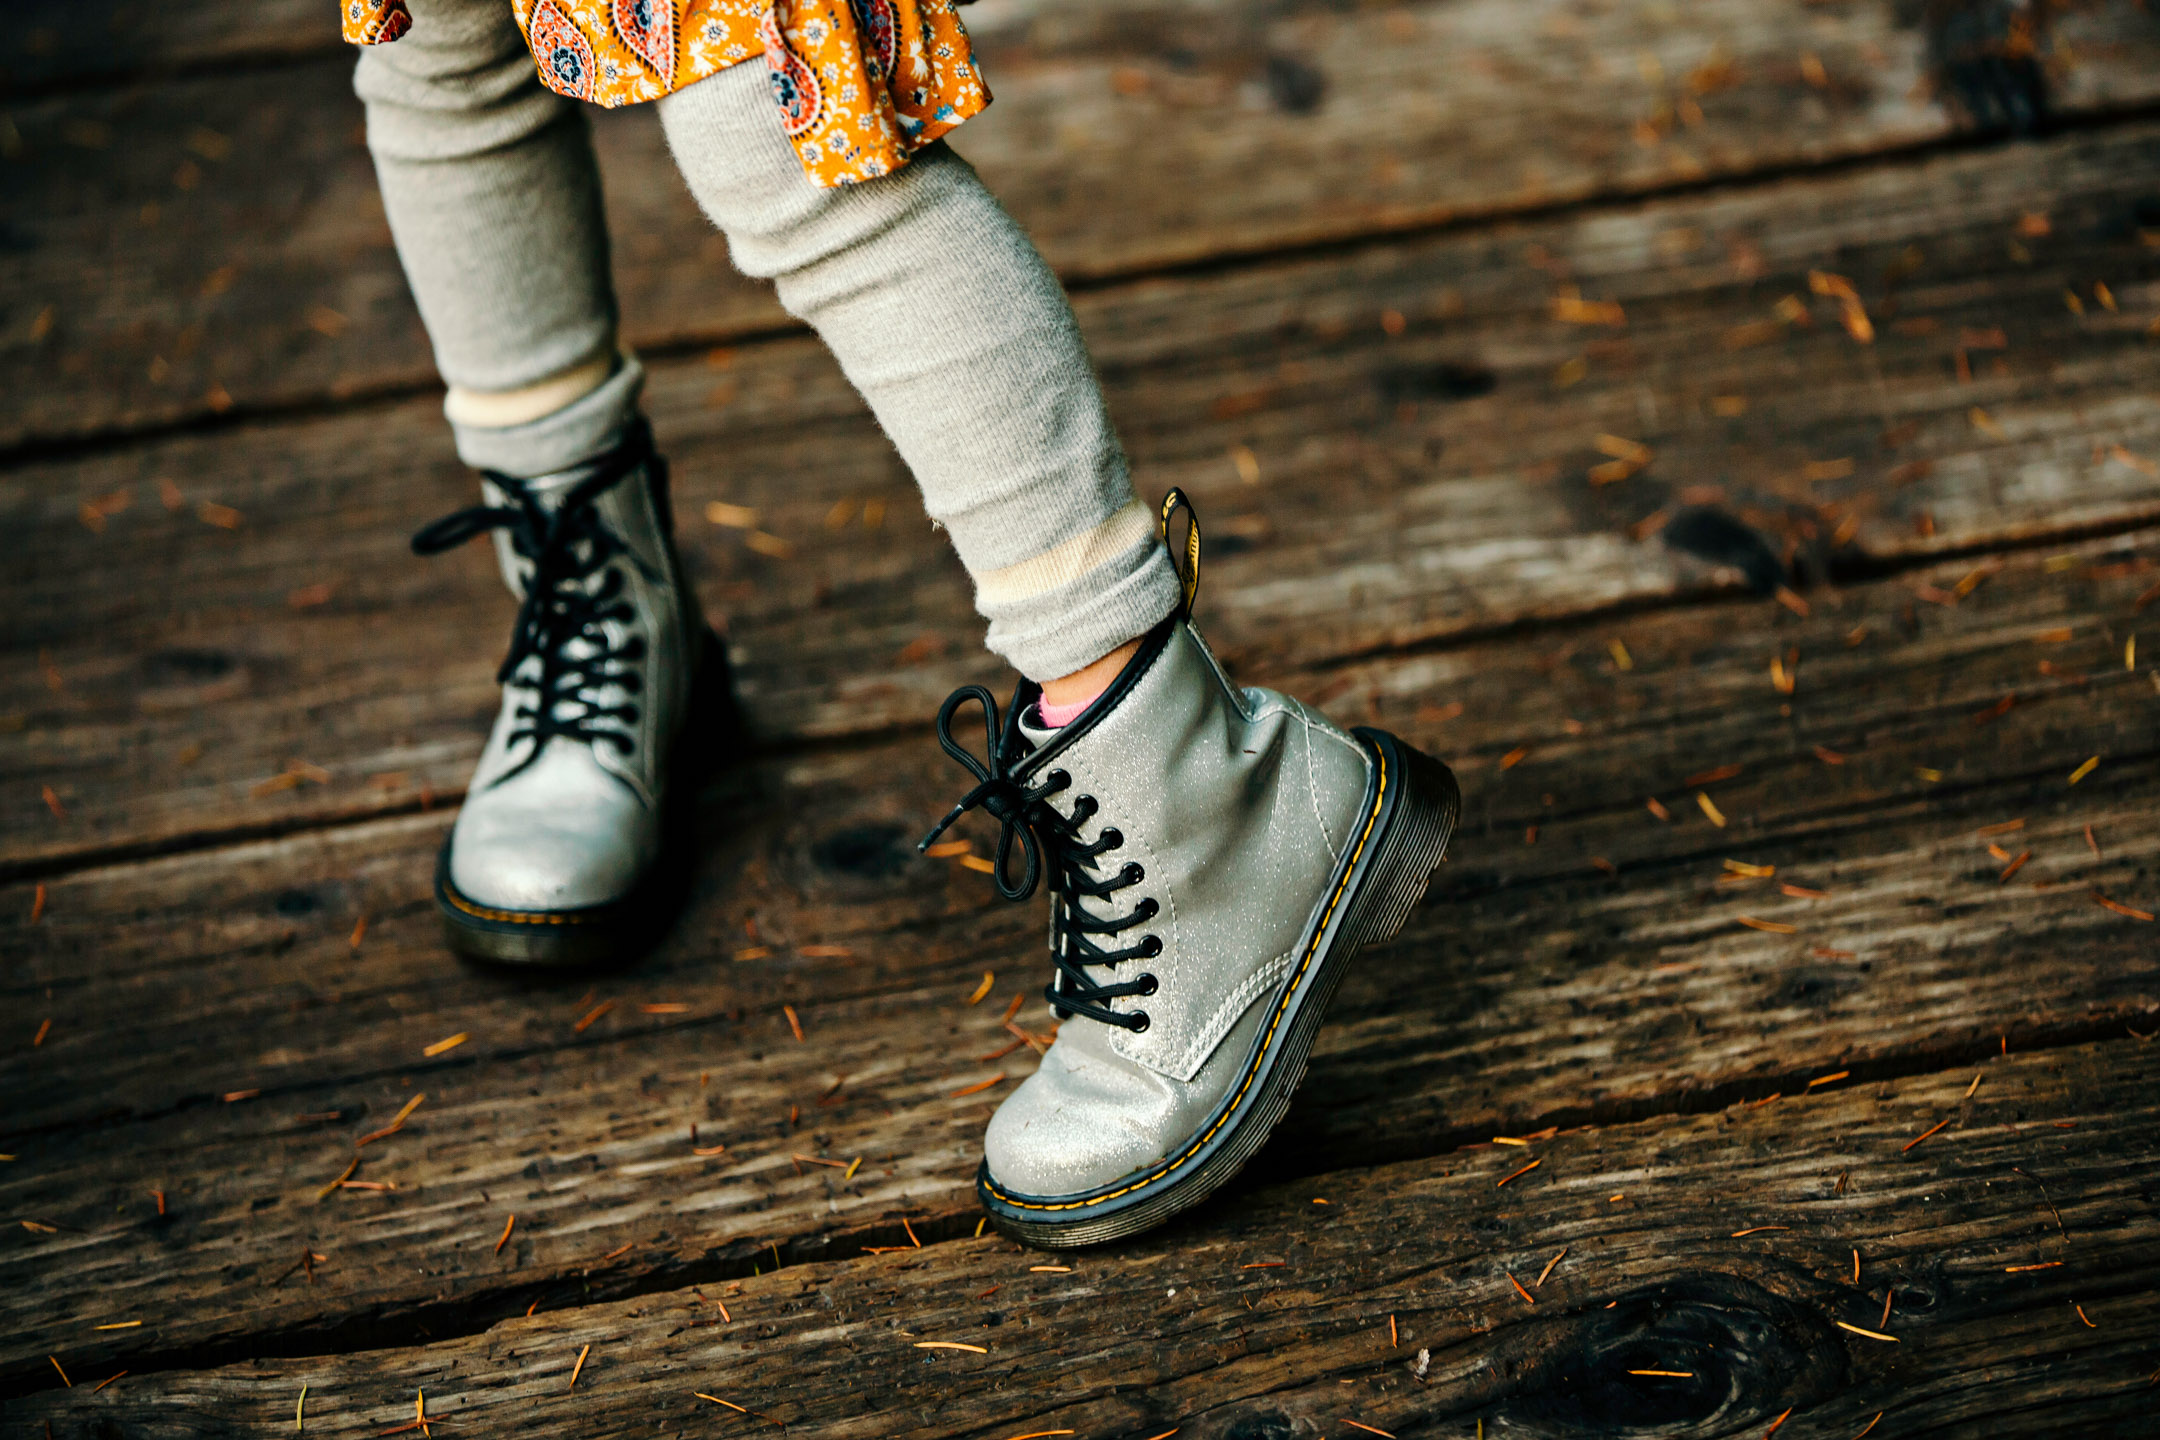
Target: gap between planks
point(1230, 260)
point(1845, 570)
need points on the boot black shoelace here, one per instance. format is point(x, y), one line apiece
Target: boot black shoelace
point(561, 621)
point(1050, 844)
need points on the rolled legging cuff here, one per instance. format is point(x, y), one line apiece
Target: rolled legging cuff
point(1072, 626)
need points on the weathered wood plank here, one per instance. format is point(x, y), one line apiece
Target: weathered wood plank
point(68, 44)
point(174, 983)
point(2011, 1259)
point(1414, 488)
point(229, 246)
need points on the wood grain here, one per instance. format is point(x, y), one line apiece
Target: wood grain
point(1416, 488)
point(215, 240)
point(2010, 1258)
point(1532, 990)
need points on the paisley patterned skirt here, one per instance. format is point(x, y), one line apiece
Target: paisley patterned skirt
point(861, 84)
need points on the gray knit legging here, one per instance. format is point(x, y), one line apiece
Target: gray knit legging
point(935, 303)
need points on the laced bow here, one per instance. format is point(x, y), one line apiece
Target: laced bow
point(561, 620)
point(1050, 845)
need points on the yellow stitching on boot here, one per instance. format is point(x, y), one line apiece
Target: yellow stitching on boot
point(516, 917)
point(1259, 1051)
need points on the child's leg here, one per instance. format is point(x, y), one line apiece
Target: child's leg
point(494, 200)
point(493, 197)
point(943, 315)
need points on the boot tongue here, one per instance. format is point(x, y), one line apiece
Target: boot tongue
point(1034, 731)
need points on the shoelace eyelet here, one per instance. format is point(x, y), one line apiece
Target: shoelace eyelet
point(1139, 1022)
point(1149, 982)
point(1113, 838)
point(1134, 874)
point(1150, 947)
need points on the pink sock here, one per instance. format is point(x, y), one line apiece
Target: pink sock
point(1056, 717)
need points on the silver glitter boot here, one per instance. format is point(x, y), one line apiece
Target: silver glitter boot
point(562, 854)
point(1215, 857)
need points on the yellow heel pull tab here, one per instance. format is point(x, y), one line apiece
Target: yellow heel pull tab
point(1189, 572)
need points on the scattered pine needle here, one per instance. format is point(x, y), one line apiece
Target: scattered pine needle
point(2085, 769)
point(1932, 1129)
point(718, 1401)
point(1831, 1079)
point(2007, 1269)
point(1528, 1298)
point(1777, 1423)
point(37, 903)
point(1050, 1269)
point(63, 1374)
point(1974, 1086)
point(2073, 1305)
point(1668, 1374)
point(913, 1239)
point(1774, 927)
point(327, 1190)
point(1514, 757)
point(42, 1031)
point(1870, 1334)
point(505, 1238)
point(946, 849)
point(2013, 867)
point(989, 979)
point(299, 1411)
point(1757, 1230)
point(397, 1123)
point(443, 1046)
point(1393, 1339)
point(1709, 808)
point(950, 1345)
point(976, 862)
point(359, 930)
point(979, 1086)
point(1871, 1424)
point(1711, 777)
point(2119, 908)
point(1524, 1171)
point(1539, 1283)
point(578, 1369)
point(591, 1015)
point(793, 1023)
point(1039, 1434)
point(1368, 1429)
point(121, 1325)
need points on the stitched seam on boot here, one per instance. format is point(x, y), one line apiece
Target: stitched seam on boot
point(1312, 791)
point(1314, 725)
point(1226, 1015)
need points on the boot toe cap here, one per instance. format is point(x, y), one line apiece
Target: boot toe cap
point(517, 859)
point(1072, 1128)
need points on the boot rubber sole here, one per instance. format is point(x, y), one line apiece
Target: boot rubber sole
point(617, 931)
point(1411, 805)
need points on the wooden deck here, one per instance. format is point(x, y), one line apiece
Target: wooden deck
point(1505, 345)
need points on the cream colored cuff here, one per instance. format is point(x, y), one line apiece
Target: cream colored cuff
point(502, 409)
point(1061, 564)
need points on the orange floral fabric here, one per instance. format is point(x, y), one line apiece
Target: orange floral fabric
point(860, 85)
